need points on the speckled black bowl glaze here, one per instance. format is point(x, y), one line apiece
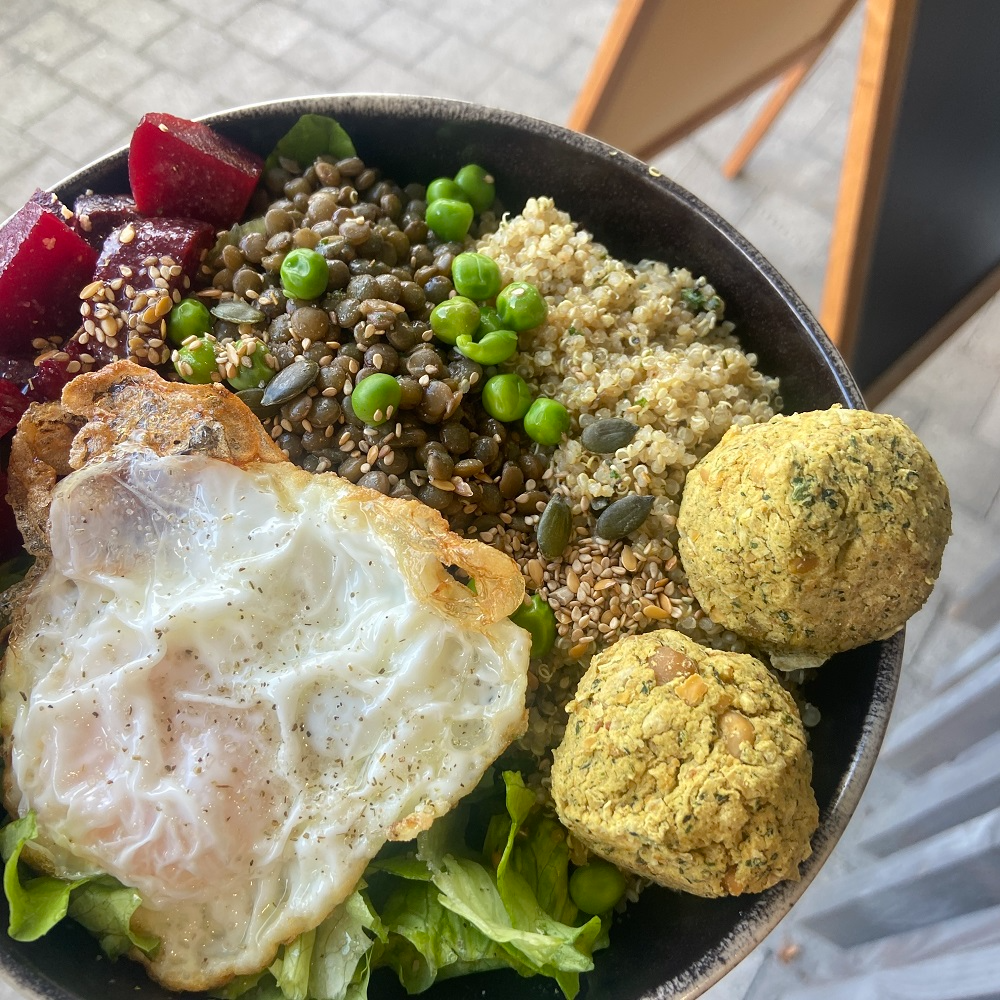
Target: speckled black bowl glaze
point(667, 945)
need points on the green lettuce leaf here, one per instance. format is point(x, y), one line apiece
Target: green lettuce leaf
point(102, 904)
point(40, 902)
point(540, 859)
point(291, 968)
point(105, 907)
point(309, 137)
point(341, 961)
point(428, 941)
point(455, 914)
point(330, 962)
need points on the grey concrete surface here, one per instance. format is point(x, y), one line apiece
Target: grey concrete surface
point(75, 75)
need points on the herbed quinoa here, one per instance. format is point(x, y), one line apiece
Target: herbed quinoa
point(642, 342)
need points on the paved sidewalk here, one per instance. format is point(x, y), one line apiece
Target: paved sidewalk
point(75, 76)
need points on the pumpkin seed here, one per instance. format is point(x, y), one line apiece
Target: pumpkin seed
point(237, 311)
point(289, 382)
point(554, 528)
point(254, 398)
point(623, 517)
point(604, 437)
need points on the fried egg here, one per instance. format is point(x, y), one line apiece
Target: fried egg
point(229, 686)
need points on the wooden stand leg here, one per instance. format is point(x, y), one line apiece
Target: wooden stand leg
point(885, 47)
point(787, 86)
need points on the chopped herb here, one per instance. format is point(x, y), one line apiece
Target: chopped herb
point(802, 490)
point(693, 299)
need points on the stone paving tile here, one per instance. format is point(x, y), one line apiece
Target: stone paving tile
point(53, 37)
point(219, 12)
point(105, 70)
point(43, 172)
point(479, 20)
point(535, 50)
point(86, 128)
point(520, 90)
point(959, 392)
point(379, 75)
point(911, 405)
point(987, 427)
point(971, 472)
point(462, 66)
point(699, 173)
point(345, 19)
point(184, 97)
point(275, 37)
point(29, 91)
point(794, 237)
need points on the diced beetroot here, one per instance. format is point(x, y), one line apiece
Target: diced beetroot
point(18, 370)
point(12, 405)
point(43, 266)
point(10, 538)
point(141, 264)
point(98, 215)
point(51, 203)
point(50, 375)
point(183, 168)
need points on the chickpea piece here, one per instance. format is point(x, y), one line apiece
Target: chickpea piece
point(736, 729)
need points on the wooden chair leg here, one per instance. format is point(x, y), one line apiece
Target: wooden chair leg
point(787, 86)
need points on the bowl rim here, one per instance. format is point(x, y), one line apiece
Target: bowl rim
point(765, 910)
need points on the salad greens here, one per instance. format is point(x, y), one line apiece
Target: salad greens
point(102, 904)
point(309, 137)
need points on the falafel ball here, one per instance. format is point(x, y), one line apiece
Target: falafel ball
point(686, 765)
point(815, 532)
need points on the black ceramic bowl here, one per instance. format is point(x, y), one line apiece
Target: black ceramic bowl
point(667, 944)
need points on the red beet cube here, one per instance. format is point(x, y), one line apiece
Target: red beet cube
point(17, 370)
point(141, 267)
point(51, 203)
point(51, 374)
point(43, 266)
point(183, 168)
point(96, 216)
point(12, 405)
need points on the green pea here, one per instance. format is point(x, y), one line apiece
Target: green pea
point(478, 186)
point(195, 360)
point(255, 375)
point(506, 397)
point(454, 318)
point(493, 349)
point(521, 306)
point(444, 187)
point(538, 618)
point(449, 218)
point(189, 318)
point(376, 398)
point(597, 887)
point(489, 320)
point(546, 421)
point(476, 275)
point(304, 274)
